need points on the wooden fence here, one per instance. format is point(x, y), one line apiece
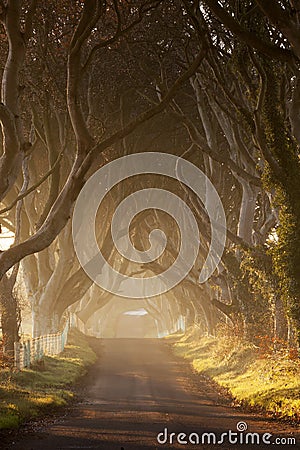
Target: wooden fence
point(32, 350)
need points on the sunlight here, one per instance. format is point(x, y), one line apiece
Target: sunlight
point(6, 238)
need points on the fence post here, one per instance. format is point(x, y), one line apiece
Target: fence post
point(17, 355)
point(30, 352)
point(21, 356)
point(57, 337)
point(27, 352)
point(32, 344)
point(52, 344)
point(39, 354)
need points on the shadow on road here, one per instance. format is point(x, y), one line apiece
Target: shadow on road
point(137, 390)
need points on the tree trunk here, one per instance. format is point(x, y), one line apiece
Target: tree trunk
point(247, 211)
point(10, 318)
point(44, 321)
point(280, 321)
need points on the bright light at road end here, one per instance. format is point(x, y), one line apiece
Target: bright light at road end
point(6, 239)
point(101, 182)
point(137, 312)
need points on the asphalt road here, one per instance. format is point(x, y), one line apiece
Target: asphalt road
point(138, 389)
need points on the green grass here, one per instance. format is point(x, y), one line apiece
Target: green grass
point(269, 382)
point(31, 392)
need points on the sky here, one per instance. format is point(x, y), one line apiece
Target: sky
point(138, 312)
point(6, 239)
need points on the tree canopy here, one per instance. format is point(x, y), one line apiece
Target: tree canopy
point(213, 82)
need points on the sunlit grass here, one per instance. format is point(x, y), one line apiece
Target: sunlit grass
point(271, 382)
point(27, 394)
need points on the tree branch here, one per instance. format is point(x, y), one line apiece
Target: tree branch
point(29, 19)
point(61, 209)
point(33, 187)
point(282, 19)
point(118, 34)
point(260, 135)
point(248, 37)
point(218, 157)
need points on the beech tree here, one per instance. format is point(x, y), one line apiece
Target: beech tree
point(213, 82)
point(78, 33)
point(265, 56)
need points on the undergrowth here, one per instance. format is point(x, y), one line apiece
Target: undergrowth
point(31, 392)
point(269, 380)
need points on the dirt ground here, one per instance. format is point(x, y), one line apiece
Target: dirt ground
point(136, 390)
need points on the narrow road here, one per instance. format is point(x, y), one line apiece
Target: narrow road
point(138, 389)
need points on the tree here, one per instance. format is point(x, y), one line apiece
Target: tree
point(258, 45)
point(77, 35)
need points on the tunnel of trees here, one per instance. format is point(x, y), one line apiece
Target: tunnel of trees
point(214, 82)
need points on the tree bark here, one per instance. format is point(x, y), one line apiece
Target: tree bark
point(10, 318)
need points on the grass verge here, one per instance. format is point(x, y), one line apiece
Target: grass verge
point(268, 382)
point(28, 394)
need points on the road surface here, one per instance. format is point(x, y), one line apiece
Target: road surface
point(139, 390)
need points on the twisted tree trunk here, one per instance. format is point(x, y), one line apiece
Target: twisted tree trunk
point(10, 317)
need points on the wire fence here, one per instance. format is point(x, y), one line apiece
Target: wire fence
point(34, 349)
